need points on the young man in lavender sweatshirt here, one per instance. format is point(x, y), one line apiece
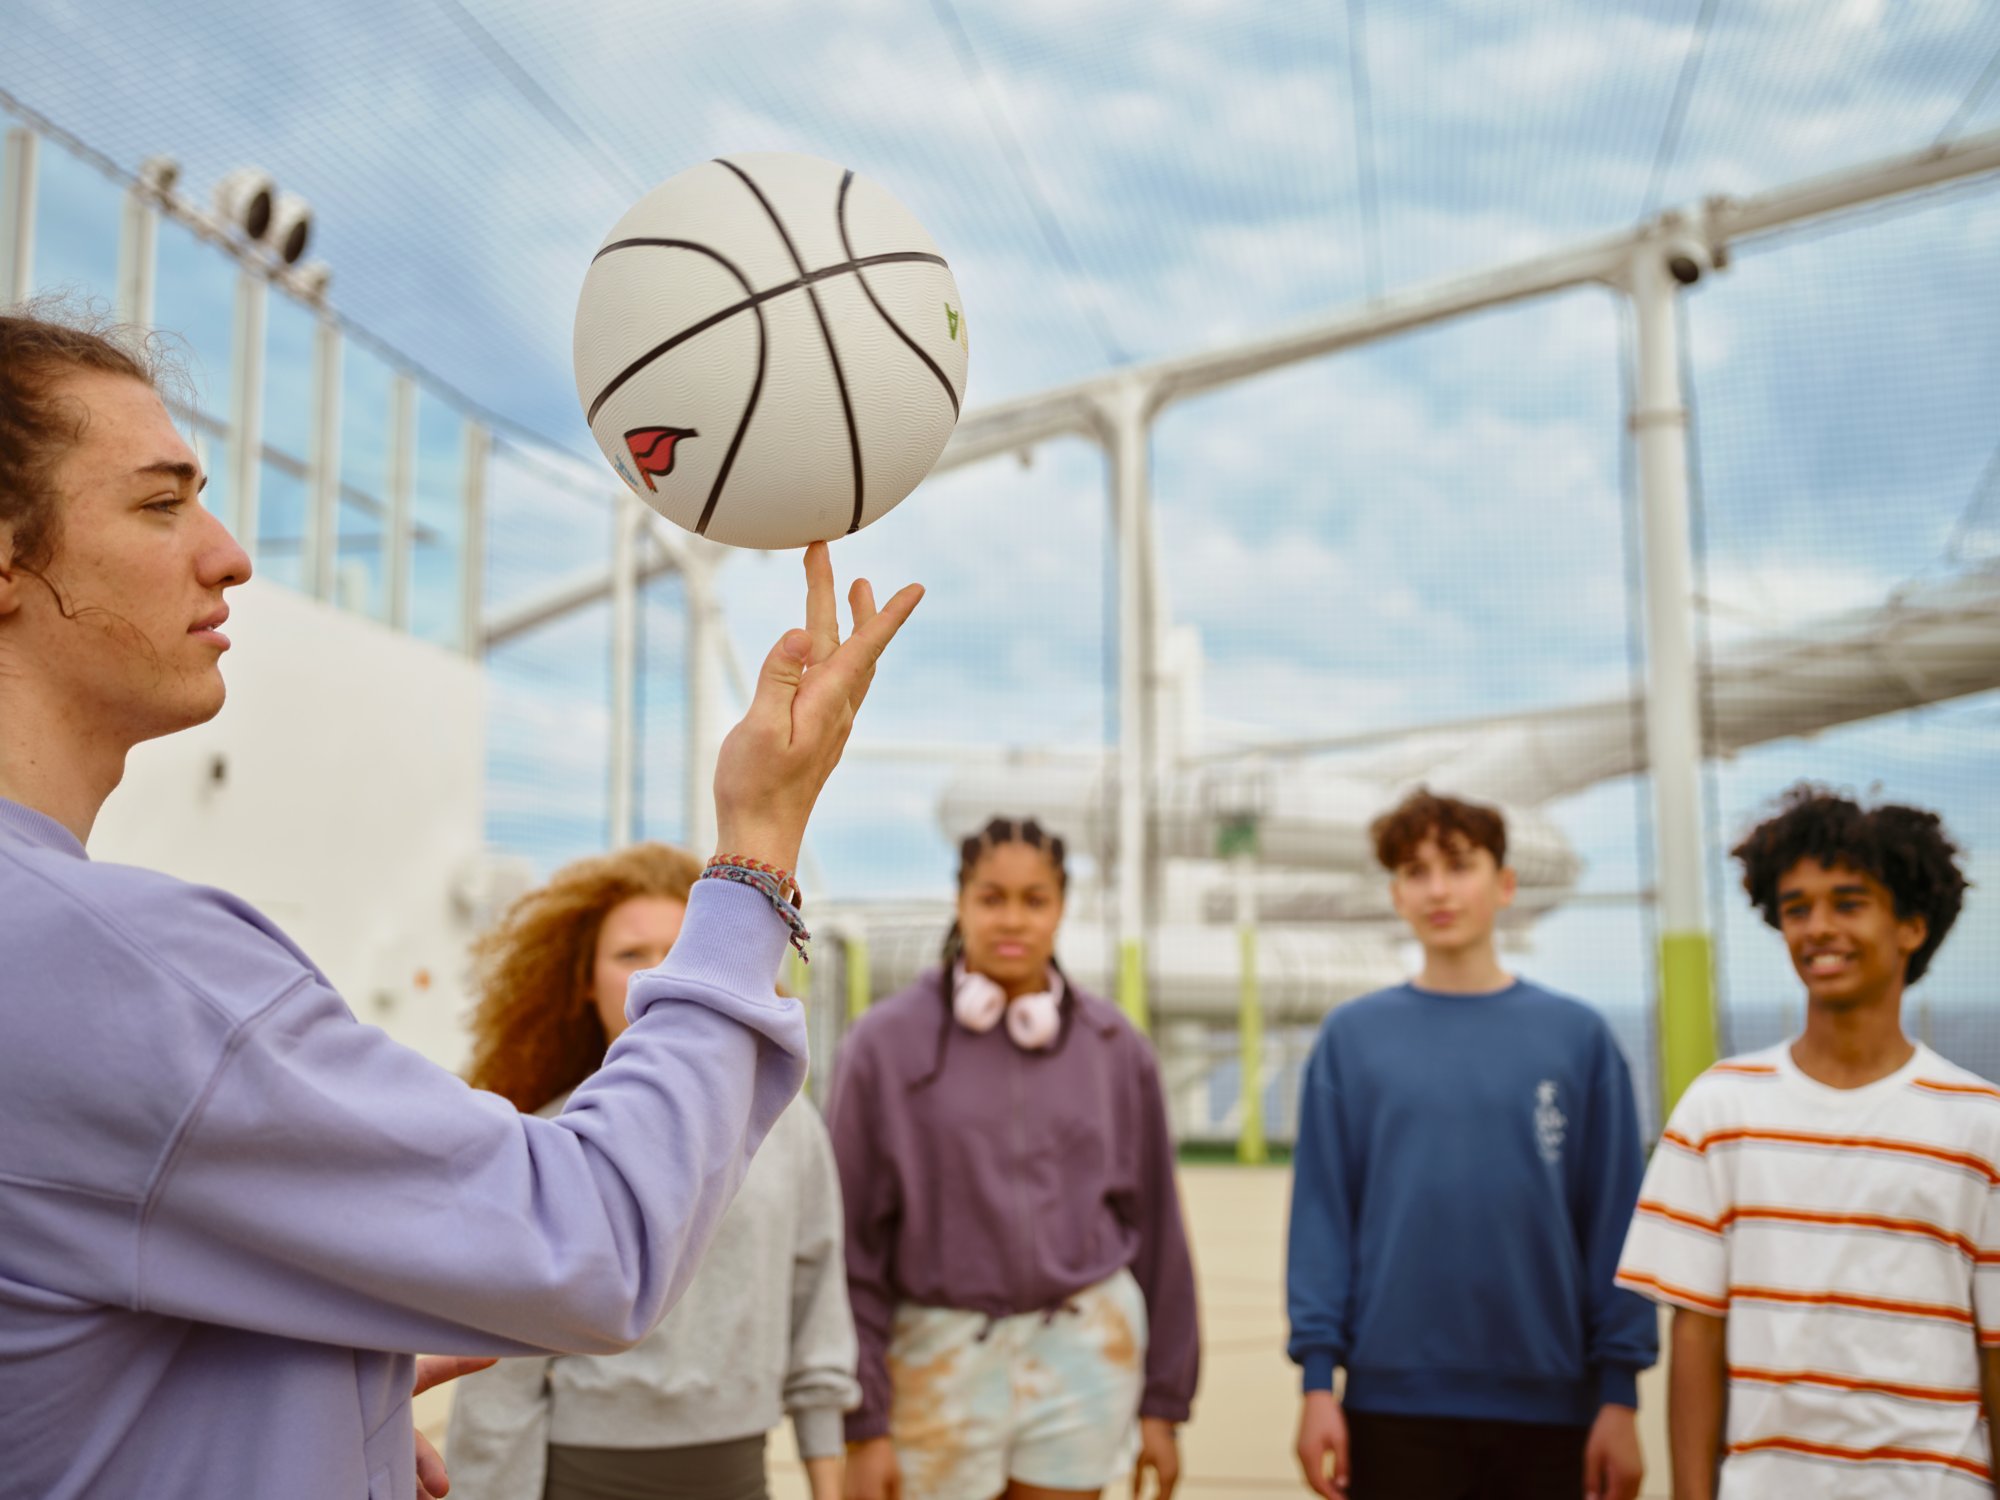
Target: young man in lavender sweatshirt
point(223, 1201)
point(1468, 1160)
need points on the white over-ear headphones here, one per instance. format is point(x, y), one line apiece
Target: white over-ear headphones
point(1033, 1020)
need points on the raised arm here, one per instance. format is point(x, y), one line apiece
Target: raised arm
point(306, 1177)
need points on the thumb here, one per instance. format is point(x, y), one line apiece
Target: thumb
point(778, 683)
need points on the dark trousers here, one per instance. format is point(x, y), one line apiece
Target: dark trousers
point(1453, 1458)
point(733, 1470)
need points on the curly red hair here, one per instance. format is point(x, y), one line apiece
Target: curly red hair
point(535, 1032)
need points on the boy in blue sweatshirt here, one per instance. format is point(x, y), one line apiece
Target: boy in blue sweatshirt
point(1468, 1161)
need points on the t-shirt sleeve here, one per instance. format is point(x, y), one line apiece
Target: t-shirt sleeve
point(1675, 1252)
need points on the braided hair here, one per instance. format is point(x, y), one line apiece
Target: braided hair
point(998, 831)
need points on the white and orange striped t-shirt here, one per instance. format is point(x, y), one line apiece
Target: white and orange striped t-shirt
point(1852, 1239)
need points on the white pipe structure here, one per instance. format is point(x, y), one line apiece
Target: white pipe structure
point(138, 254)
point(1688, 1030)
point(704, 717)
point(1126, 415)
point(397, 534)
point(477, 448)
point(322, 559)
point(622, 803)
point(246, 403)
point(17, 216)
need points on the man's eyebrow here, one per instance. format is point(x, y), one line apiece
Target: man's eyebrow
point(187, 473)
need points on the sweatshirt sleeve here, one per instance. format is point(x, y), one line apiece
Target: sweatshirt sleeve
point(1164, 1269)
point(871, 1210)
point(1319, 1259)
point(331, 1185)
point(819, 1381)
point(496, 1445)
point(1623, 1330)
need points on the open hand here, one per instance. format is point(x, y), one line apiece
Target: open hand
point(774, 763)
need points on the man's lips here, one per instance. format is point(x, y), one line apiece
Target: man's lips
point(209, 627)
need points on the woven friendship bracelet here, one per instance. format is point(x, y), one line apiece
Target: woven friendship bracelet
point(783, 876)
point(776, 886)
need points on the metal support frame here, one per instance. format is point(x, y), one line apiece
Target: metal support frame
point(478, 446)
point(398, 534)
point(704, 720)
point(138, 256)
point(1687, 1021)
point(17, 216)
point(322, 559)
point(622, 809)
point(1126, 416)
point(246, 402)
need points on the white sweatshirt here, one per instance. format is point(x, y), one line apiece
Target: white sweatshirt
point(763, 1331)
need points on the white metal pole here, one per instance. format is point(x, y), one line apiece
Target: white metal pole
point(621, 803)
point(138, 255)
point(472, 550)
point(323, 494)
point(246, 399)
point(704, 626)
point(1673, 705)
point(17, 217)
point(1127, 415)
point(397, 531)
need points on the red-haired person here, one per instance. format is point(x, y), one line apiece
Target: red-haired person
point(1823, 1216)
point(1015, 1255)
point(1468, 1157)
point(763, 1330)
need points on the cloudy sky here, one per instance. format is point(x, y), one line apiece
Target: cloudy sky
point(1422, 530)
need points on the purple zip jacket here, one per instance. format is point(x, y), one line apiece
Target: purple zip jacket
point(227, 1208)
point(1008, 1181)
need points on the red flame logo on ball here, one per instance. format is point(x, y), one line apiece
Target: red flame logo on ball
point(653, 449)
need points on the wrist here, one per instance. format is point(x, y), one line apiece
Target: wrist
point(771, 846)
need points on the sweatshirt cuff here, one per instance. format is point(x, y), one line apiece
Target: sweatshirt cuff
point(1618, 1385)
point(731, 944)
point(818, 1430)
point(1164, 1409)
point(1318, 1367)
point(864, 1425)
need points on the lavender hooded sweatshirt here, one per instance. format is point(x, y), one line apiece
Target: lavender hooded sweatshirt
point(227, 1208)
point(1000, 1181)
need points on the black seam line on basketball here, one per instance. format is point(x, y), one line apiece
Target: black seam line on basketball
point(825, 332)
point(917, 349)
point(755, 299)
point(749, 410)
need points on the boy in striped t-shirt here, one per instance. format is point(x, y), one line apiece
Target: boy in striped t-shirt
point(1824, 1216)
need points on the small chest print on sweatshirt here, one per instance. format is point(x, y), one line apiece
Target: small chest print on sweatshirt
point(1551, 1124)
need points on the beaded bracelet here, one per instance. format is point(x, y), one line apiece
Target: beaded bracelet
point(774, 884)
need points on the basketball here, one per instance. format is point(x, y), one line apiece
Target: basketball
point(770, 350)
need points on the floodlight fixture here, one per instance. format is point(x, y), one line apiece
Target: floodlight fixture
point(291, 228)
point(245, 200)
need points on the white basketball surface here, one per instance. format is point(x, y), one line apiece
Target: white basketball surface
point(770, 350)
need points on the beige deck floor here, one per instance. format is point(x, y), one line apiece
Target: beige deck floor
point(1240, 1442)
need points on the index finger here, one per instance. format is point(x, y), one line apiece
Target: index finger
point(822, 610)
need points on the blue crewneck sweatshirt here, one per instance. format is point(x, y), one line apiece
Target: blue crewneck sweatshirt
point(1466, 1169)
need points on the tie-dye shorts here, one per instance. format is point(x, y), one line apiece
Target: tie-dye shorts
point(1046, 1398)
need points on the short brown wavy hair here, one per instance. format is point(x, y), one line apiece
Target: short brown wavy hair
point(535, 1033)
point(1425, 814)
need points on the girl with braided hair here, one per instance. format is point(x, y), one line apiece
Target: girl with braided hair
point(1016, 1261)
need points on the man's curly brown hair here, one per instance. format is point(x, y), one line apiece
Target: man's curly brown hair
point(535, 1032)
point(1905, 848)
point(1426, 814)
